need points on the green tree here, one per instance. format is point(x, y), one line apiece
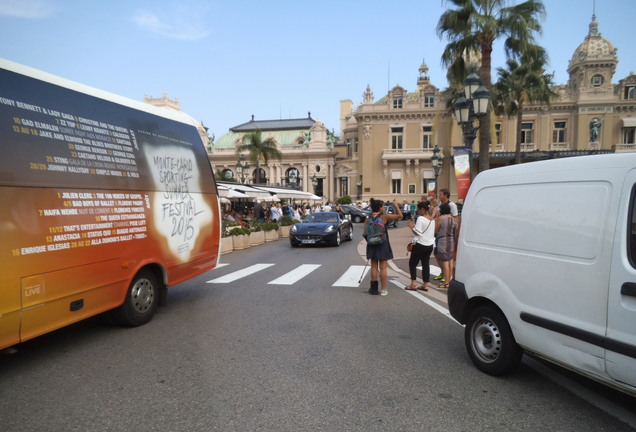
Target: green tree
point(473, 26)
point(520, 84)
point(258, 149)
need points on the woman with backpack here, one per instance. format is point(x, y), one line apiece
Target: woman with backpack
point(378, 247)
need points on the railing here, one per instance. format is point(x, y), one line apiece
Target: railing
point(560, 146)
point(528, 147)
point(622, 148)
point(407, 153)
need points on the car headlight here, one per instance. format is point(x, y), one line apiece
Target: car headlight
point(294, 229)
point(329, 229)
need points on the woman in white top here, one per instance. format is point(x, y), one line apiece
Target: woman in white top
point(423, 242)
point(277, 213)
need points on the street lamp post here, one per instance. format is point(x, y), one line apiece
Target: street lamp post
point(242, 169)
point(437, 160)
point(472, 105)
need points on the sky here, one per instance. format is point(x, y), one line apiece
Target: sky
point(228, 60)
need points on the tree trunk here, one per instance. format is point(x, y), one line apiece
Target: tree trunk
point(484, 128)
point(519, 122)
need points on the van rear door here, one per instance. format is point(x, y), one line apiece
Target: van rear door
point(620, 357)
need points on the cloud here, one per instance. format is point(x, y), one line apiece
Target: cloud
point(183, 24)
point(30, 9)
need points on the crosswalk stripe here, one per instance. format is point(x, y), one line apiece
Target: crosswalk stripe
point(240, 273)
point(435, 271)
point(351, 278)
point(295, 275)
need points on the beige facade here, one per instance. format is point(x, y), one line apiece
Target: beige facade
point(391, 140)
point(385, 146)
point(308, 162)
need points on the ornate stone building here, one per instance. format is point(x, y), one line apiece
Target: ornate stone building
point(389, 143)
point(308, 162)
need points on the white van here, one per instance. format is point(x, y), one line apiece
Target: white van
point(546, 263)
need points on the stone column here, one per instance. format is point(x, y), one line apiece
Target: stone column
point(331, 180)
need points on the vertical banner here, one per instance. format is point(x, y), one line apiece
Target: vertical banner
point(462, 170)
point(432, 188)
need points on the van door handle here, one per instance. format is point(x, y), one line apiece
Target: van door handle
point(629, 289)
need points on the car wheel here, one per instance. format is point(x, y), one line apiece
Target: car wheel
point(490, 342)
point(338, 238)
point(357, 219)
point(141, 301)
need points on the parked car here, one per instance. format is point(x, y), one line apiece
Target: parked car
point(389, 208)
point(321, 228)
point(357, 214)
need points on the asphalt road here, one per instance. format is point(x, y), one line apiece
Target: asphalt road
point(259, 352)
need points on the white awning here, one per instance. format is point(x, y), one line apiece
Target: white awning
point(249, 192)
point(285, 193)
point(629, 122)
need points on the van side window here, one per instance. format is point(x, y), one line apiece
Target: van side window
point(631, 248)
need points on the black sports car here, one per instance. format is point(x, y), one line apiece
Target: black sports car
point(389, 208)
point(356, 214)
point(321, 228)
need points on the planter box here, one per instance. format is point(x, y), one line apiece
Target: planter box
point(284, 231)
point(241, 241)
point(227, 245)
point(271, 235)
point(257, 238)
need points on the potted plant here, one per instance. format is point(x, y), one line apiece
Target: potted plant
point(257, 235)
point(271, 231)
point(285, 223)
point(240, 237)
point(227, 242)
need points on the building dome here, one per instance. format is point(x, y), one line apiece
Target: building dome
point(593, 48)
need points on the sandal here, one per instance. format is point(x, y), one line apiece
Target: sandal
point(444, 285)
point(410, 288)
point(422, 288)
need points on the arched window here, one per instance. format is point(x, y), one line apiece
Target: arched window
point(258, 176)
point(293, 177)
point(227, 175)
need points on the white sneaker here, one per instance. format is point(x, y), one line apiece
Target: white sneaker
point(383, 292)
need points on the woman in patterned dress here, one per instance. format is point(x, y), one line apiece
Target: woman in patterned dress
point(445, 228)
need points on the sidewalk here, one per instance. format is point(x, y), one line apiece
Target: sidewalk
point(399, 238)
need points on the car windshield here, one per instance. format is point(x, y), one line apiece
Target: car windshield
point(329, 217)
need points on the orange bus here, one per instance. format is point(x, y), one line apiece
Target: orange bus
point(105, 202)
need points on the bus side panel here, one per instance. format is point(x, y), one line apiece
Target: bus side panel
point(93, 188)
point(90, 253)
point(53, 300)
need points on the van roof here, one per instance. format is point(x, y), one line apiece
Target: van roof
point(584, 164)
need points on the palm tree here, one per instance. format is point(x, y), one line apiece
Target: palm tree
point(522, 83)
point(258, 148)
point(473, 27)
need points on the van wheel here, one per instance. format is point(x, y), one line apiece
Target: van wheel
point(490, 342)
point(141, 301)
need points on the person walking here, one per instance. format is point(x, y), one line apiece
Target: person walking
point(445, 228)
point(423, 242)
point(381, 253)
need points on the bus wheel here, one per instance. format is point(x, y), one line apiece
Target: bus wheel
point(141, 300)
